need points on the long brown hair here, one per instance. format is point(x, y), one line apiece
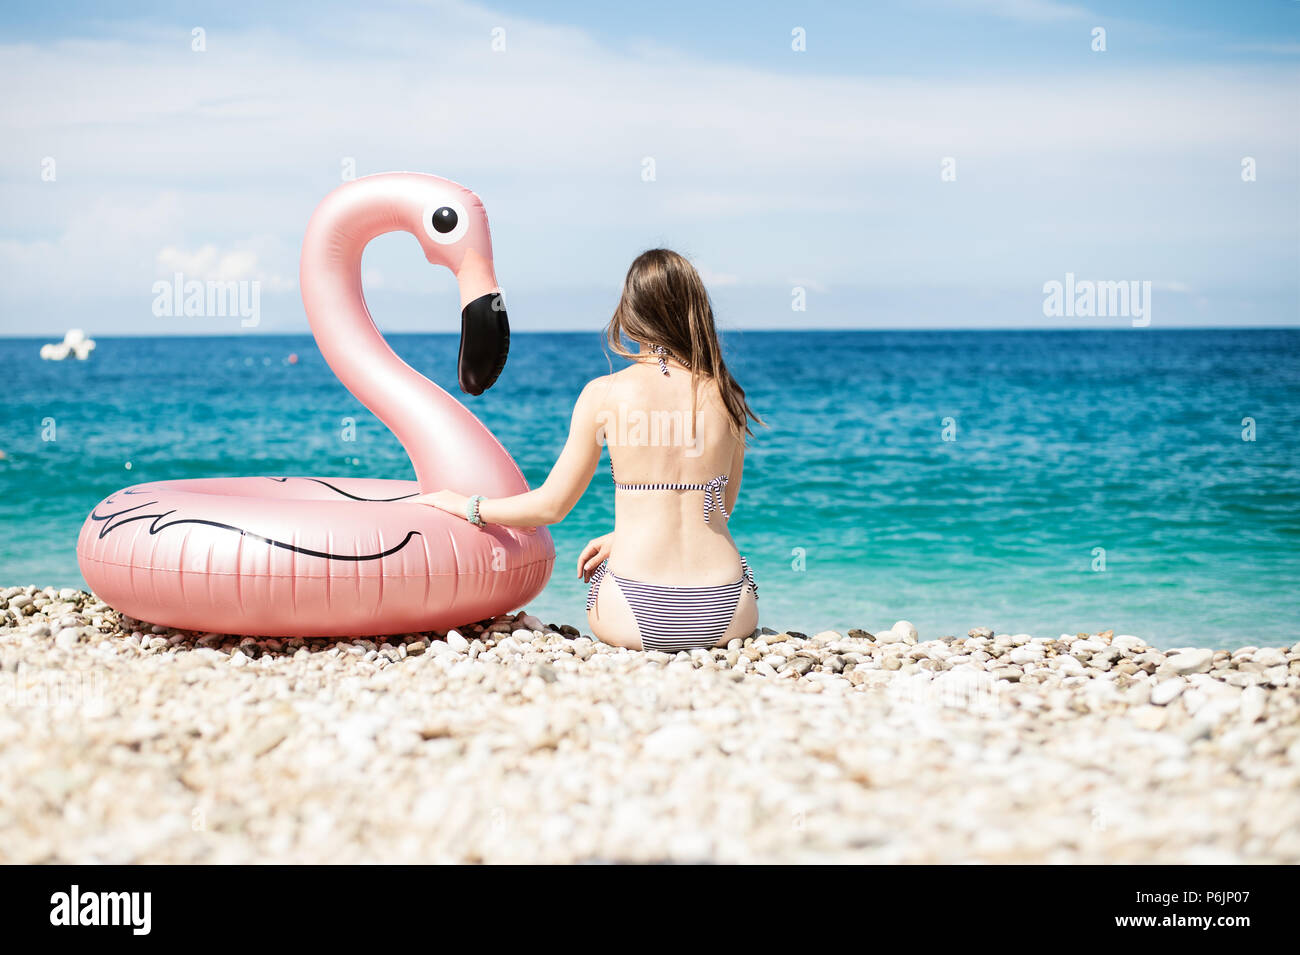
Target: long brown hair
point(665, 304)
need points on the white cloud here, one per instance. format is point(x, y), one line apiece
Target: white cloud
point(100, 245)
point(762, 173)
point(208, 263)
point(557, 108)
point(716, 279)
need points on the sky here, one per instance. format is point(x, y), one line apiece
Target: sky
point(921, 164)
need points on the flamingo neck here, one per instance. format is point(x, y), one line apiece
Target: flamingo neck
point(447, 444)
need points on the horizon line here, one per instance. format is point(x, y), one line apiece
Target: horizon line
point(307, 333)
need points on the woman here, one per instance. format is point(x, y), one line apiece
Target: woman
point(669, 577)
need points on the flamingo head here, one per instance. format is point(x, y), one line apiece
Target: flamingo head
point(453, 231)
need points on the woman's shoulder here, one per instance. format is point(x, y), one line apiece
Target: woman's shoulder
point(594, 395)
point(614, 382)
point(597, 387)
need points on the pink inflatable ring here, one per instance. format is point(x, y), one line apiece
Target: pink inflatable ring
point(307, 556)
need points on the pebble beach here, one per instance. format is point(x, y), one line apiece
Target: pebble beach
point(516, 740)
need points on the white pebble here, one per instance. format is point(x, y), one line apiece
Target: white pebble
point(906, 629)
point(1269, 657)
point(1189, 661)
point(1166, 691)
point(1254, 702)
point(675, 741)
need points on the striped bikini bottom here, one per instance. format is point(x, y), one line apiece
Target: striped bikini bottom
point(678, 618)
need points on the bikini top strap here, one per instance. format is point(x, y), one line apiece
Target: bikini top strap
point(715, 495)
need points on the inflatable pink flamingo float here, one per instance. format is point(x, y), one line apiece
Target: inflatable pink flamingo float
point(308, 556)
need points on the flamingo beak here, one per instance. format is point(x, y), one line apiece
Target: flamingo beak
point(484, 327)
point(484, 343)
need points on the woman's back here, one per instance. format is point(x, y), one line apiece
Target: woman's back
point(661, 535)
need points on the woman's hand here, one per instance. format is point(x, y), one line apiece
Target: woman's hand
point(596, 551)
point(448, 501)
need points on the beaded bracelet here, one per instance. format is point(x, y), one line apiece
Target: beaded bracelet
point(471, 510)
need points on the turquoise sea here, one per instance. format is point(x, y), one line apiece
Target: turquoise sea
point(1032, 481)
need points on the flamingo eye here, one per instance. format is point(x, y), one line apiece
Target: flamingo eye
point(446, 223)
point(444, 219)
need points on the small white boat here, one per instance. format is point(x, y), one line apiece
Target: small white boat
point(74, 342)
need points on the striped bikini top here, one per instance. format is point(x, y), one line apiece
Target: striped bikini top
point(714, 491)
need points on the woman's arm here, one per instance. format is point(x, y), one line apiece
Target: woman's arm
point(733, 478)
point(550, 503)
